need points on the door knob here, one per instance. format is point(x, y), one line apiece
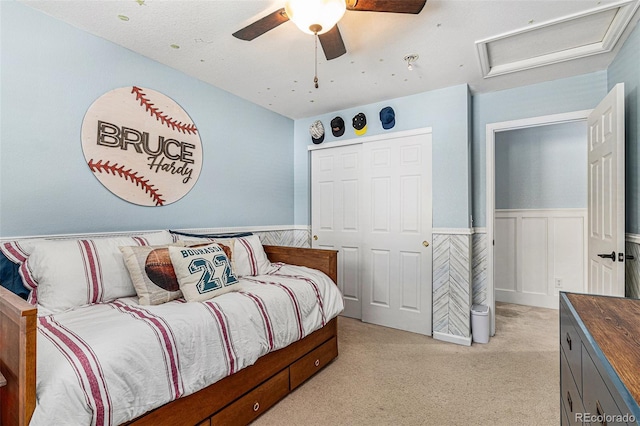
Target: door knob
point(425, 243)
point(315, 237)
point(611, 256)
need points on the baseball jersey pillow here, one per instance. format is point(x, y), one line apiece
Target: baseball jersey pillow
point(203, 272)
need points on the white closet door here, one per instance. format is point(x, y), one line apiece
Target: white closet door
point(336, 216)
point(606, 195)
point(396, 237)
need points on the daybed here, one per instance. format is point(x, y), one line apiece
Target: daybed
point(256, 382)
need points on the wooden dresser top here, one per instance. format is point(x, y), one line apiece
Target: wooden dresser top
point(614, 324)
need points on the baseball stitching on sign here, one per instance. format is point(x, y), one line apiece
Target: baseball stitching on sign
point(181, 127)
point(140, 181)
point(135, 135)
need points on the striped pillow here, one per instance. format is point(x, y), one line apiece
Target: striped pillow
point(12, 267)
point(77, 272)
point(249, 258)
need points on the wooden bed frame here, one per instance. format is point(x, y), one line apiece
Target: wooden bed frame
point(236, 399)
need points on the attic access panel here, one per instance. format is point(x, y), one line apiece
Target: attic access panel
point(575, 36)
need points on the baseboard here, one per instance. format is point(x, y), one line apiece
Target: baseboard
point(452, 338)
point(538, 300)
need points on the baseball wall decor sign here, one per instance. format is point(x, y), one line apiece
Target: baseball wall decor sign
point(142, 146)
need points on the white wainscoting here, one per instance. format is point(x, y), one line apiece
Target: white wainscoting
point(539, 253)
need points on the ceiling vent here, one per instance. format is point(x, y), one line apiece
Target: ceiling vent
point(575, 36)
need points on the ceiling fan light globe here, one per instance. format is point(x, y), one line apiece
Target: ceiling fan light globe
point(308, 15)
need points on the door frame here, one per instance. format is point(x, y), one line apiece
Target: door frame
point(491, 130)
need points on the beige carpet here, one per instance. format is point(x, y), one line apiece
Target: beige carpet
point(389, 377)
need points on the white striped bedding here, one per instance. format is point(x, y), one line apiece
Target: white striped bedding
point(108, 363)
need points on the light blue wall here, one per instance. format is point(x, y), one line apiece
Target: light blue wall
point(445, 111)
point(552, 97)
point(542, 167)
point(626, 68)
point(52, 72)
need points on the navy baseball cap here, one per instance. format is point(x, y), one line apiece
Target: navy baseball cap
point(387, 117)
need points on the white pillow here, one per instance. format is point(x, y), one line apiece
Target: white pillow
point(203, 272)
point(248, 258)
point(76, 272)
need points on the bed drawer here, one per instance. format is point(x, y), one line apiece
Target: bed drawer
point(315, 360)
point(254, 403)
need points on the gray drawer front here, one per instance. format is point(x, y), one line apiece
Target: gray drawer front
point(564, 419)
point(597, 397)
point(572, 344)
point(570, 398)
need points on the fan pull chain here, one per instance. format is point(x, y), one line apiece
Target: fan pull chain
point(315, 78)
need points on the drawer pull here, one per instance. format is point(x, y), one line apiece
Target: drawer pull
point(256, 406)
point(569, 340)
point(600, 413)
point(317, 363)
point(569, 401)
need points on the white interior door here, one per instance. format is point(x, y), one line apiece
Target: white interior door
point(396, 233)
point(606, 195)
point(336, 216)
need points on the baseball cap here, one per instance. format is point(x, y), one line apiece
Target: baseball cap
point(387, 117)
point(337, 126)
point(360, 124)
point(317, 132)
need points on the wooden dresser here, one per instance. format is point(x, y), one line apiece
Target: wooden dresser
point(599, 360)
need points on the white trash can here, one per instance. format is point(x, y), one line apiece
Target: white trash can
point(480, 323)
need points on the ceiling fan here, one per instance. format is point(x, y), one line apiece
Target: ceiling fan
point(329, 34)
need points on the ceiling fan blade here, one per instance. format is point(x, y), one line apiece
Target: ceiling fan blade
point(332, 43)
point(394, 6)
point(262, 25)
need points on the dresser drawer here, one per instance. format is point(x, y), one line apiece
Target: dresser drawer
point(597, 398)
point(254, 403)
point(564, 419)
point(309, 364)
point(571, 400)
point(572, 344)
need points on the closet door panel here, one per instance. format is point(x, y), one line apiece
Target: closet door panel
point(396, 233)
point(336, 216)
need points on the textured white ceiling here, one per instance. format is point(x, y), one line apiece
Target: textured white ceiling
point(276, 70)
